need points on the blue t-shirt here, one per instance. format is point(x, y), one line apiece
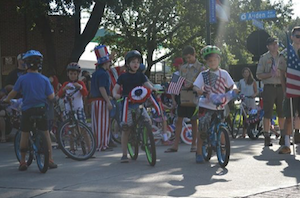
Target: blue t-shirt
point(100, 78)
point(35, 89)
point(129, 81)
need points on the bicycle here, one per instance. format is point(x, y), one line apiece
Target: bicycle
point(217, 138)
point(115, 127)
point(37, 147)
point(141, 135)
point(75, 138)
point(240, 116)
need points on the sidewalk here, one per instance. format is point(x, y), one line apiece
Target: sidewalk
point(253, 172)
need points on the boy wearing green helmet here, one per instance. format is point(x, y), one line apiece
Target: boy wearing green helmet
point(214, 80)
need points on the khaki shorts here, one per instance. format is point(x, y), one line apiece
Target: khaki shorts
point(272, 95)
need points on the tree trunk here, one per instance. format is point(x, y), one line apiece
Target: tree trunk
point(43, 24)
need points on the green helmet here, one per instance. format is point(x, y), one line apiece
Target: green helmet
point(210, 49)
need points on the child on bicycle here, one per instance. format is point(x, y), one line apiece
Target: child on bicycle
point(36, 89)
point(211, 81)
point(128, 81)
point(68, 87)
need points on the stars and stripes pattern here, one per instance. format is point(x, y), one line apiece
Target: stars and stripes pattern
point(156, 104)
point(175, 84)
point(292, 73)
point(214, 83)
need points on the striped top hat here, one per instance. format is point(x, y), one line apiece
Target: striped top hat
point(101, 54)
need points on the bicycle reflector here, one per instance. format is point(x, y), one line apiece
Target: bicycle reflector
point(139, 94)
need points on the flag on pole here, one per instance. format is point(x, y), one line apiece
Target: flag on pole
point(175, 84)
point(292, 73)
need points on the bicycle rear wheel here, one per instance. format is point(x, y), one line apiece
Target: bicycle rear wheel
point(236, 124)
point(41, 151)
point(223, 146)
point(253, 131)
point(29, 153)
point(76, 140)
point(116, 132)
point(149, 143)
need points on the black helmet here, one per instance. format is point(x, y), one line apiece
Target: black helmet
point(132, 54)
point(74, 67)
point(33, 59)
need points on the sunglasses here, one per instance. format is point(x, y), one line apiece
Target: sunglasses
point(297, 35)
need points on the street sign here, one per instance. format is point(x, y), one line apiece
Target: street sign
point(258, 24)
point(212, 11)
point(266, 14)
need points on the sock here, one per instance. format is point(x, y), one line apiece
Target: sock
point(282, 132)
point(287, 140)
point(165, 136)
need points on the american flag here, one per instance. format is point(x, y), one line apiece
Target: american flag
point(292, 73)
point(175, 84)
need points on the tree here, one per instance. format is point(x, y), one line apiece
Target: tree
point(154, 24)
point(38, 16)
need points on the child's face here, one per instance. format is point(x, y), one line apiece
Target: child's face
point(190, 59)
point(73, 75)
point(246, 73)
point(134, 65)
point(213, 61)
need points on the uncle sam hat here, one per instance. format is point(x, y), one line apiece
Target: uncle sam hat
point(101, 54)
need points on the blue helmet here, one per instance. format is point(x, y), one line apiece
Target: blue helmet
point(33, 59)
point(142, 68)
point(32, 53)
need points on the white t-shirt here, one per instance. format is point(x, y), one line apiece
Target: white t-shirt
point(77, 98)
point(213, 82)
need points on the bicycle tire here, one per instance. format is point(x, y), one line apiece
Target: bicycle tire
point(236, 124)
point(42, 151)
point(76, 140)
point(29, 155)
point(116, 133)
point(149, 143)
point(252, 131)
point(206, 150)
point(223, 151)
point(133, 145)
point(186, 134)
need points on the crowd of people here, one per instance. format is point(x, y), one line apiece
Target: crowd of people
point(107, 83)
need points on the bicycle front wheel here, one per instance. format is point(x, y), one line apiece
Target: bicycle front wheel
point(41, 151)
point(206, 149)
point(223, 146)
point(76, 140)
point(149, 143)
point(29, 153)
point(236, 123)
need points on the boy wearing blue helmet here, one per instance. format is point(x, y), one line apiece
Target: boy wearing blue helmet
point(36, 89)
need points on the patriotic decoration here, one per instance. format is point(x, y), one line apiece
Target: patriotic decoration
point(156, 104)
point(101, 54)
point(175, 84)
point(214, 83)
point(292, 73)
point(125, 110)
point(139, 94)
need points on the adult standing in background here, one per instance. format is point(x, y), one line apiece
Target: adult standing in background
point(13, 76)
point(267, 71)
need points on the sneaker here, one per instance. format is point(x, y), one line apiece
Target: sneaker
point(124, 159)
point(267, 139)
point(23, 166)
point(52, 165)
point(285, 150)
point(199, 159)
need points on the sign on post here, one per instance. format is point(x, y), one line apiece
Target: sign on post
point(266, 14)
point(212, 11)
point(258, 24)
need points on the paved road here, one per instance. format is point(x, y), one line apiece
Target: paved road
point(251, 172)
